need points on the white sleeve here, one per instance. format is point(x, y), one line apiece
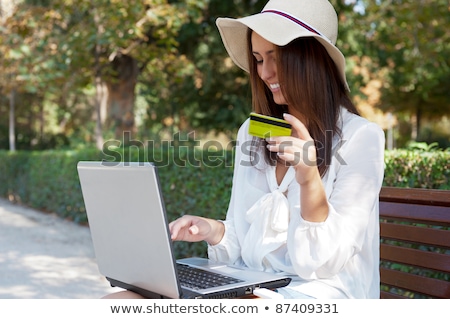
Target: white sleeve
point(352, 223)
point(228, 249)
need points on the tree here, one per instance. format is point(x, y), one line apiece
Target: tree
point(409, 45)
point(113, 42)
point(26, 58)
point(104, 44)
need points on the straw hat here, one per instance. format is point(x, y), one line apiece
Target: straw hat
point(280, 22)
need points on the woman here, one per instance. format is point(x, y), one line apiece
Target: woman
point(305, 204)
point(311, 208)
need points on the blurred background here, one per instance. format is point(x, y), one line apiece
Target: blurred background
point(75, 74)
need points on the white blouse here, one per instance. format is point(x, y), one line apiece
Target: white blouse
point(337, 258)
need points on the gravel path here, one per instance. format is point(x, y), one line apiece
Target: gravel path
point(44, 256)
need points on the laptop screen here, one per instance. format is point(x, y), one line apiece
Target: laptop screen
point(128, 224)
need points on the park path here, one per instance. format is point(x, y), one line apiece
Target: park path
point(45, 256)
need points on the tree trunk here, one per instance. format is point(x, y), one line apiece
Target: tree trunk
point(99, 93)
point(41, 119)
point(121, 94)
point(12, 129)
point(418, 121)
point(99, 96)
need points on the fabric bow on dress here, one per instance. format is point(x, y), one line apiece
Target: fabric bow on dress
point(269, 221)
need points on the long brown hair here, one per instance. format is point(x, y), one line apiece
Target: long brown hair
point(311, 84)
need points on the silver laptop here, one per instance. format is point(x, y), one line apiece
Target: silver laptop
point(131, 238)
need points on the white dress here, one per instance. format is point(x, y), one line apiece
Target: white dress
point(337, 258)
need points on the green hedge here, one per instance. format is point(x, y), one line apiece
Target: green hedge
point(417, 169)
point(193, 182)
point(45, 180)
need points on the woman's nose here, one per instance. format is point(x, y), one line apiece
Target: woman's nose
point(268, 70)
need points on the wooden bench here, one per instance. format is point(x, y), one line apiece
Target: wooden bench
point(415, 243)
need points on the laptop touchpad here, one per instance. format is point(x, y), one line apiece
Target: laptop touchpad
point(228, 270)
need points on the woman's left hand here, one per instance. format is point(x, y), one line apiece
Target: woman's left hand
point(298, 150)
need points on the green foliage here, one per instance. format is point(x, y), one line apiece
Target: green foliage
point(420, 166)
point(45, 180)
point(56, 51)
point(53, 49)
point(409, 53)
point(213, 94)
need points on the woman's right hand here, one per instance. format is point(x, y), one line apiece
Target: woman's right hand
point(194, 228)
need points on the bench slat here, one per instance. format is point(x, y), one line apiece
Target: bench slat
point(422, 235)
point(401, 209)
point(428, 214)
point(414, 283)
point(388, 295)
point(431, 197)
point(415, 257)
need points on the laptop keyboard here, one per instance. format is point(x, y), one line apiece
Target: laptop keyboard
point(196, 279)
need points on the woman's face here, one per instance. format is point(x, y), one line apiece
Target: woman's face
point(266, 61)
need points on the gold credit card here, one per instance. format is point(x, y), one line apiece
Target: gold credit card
point(264, 126)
